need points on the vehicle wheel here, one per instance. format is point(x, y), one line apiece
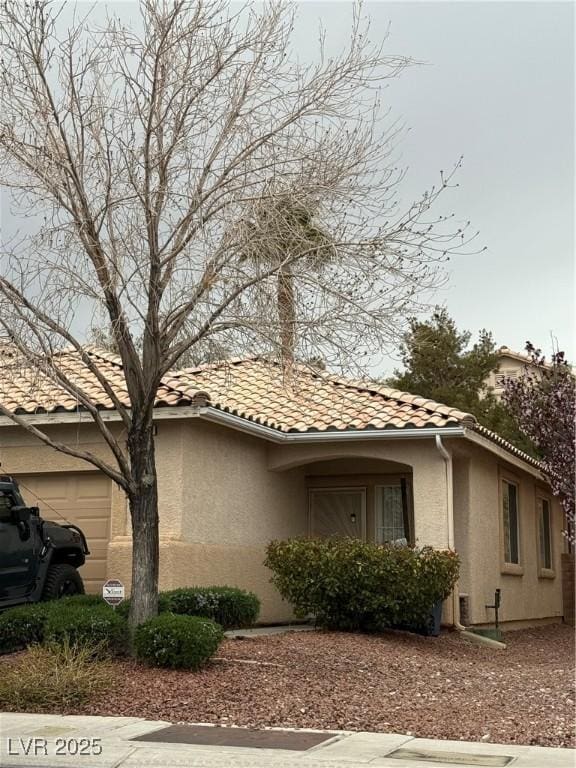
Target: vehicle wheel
point(62, 581)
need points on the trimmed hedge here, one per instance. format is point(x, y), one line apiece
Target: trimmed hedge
point(88, 619)
point(349, 584)
point(169, 640)
point(22, 626)
point(92, 601)
point(75, 620)
point(86, 625)
point(230, 607)
point(124, 608)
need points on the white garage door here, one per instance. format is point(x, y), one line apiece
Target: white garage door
point(83, 499)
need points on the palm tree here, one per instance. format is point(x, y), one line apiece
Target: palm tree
point(283, 232)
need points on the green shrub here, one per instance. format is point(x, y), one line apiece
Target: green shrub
point(349, 584)
point(230, 607)
point(53, 677)
point(22, 626)
point(93, 601)
point(81, 619)
point(86, 625)
point(227, 606)
point(124, 608)
point(174, 641)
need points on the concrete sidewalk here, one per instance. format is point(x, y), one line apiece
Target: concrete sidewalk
point(52, 741)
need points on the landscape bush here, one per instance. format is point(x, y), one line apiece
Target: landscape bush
point(53, 677)
point(169, 640)
point(349, 584)
point(93, 601)
point(78, 624)
point(230, 607)
point(124, 608)
point(22, 626)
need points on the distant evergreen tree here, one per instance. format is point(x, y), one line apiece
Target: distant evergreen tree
point(441, 365)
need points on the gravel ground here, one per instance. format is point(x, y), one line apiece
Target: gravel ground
point(429, 687)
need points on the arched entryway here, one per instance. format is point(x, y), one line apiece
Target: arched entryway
point(362, 497)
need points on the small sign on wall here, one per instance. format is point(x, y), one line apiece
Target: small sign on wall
point(113, 592)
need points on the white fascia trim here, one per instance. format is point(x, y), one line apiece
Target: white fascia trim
point(83, 417)
point(502, 453)
point(268, 433)
point(275, 436)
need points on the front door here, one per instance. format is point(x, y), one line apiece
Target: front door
point(17, 555)
point(337, 512)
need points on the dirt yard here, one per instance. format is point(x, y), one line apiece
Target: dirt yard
point(430, 687)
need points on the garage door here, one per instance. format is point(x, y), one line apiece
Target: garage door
point(82, 499)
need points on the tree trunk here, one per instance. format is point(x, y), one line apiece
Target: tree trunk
point(143, 502)
point(287, 318)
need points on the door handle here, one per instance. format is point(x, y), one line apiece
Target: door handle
point(24, 530)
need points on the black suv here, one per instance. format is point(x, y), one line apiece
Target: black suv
point(39, 560)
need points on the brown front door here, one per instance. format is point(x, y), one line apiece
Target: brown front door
point(337, 512)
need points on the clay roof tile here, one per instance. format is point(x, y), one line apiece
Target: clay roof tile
point(311, 401)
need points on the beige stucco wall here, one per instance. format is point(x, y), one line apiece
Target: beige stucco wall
point(22, 453)
point(219, 507)
point(224, 495)
point(238, 492)
point(232, 506)
point(477, 512)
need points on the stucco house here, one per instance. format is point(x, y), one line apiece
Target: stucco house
point(244, 458)
point(511, 365)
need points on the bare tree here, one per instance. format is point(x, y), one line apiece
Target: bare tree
point(137, 154)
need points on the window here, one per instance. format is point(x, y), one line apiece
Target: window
point(500, 378)
point(510, 522)
point(391, 514)
point(5, 506)
point(544, 533)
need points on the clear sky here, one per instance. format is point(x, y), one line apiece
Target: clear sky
point(497, 87)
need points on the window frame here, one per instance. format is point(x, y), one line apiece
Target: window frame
point(544, 572)
point(502, 374)
point(507, 567)
point(394, 483)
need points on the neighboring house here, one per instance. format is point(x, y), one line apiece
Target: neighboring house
point(242, 460)
point(511, 365)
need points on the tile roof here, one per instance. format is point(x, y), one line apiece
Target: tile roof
point(494, 437)
point(315, 401)
point(252, 389)
point(24, 390)
point(320, 402)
